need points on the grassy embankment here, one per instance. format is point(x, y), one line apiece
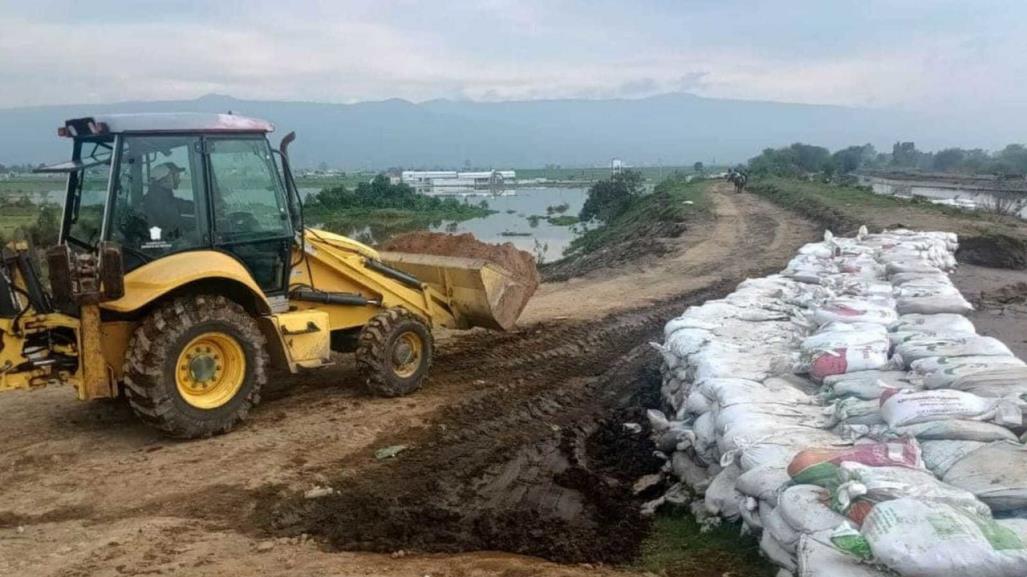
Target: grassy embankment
point(985, 238)
point(639, 232)
point(661, 212)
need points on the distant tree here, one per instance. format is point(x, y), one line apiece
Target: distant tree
point(611, 197)
point(905, 155)
point(948, 160)
point(853, 158)
point(699, 168)
point(795, 160)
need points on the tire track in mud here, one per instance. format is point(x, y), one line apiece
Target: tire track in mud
point(533, 457)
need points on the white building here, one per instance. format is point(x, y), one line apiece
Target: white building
point(454, 179)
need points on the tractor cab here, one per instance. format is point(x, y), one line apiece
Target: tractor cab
point(160, 184)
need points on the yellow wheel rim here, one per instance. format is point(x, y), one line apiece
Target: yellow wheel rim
point(210, 370)
point(406, 354)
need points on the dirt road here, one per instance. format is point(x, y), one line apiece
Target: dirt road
point(511, 446)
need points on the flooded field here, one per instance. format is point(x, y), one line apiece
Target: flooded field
point(539, 220)
point(968, 196)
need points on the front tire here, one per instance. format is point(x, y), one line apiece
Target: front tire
point(195, 366)
point(394, 353)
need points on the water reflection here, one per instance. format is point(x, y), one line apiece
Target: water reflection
point(538, 220)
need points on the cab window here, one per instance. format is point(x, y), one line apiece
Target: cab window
point(159, 201)
point(248, 198)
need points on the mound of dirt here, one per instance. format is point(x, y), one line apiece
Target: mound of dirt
point(518, 262)
point(993, 250)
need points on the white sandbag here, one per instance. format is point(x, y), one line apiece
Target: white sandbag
point(865, 384)
point(724, 360)
point(749, 511)
point(934, 323)
point(910, 265)
point(999, 381)
point(697, 403)
point(939, 456)
point(956, 430)
point(923, 290)
point(951, 347)
point(684, 342)
point(995, 473)
point(856, 412)
point(854, 310)
point(721, 497)
point(805, 509)
point(921, 539)
point(911, 407)
point(943, 372)
point(816, 557)
point(899, 279)
point(763, 483)
point(705, 437)
point(775, 551)
point(783, 533)
point(942, 303)
point(687, 322)
point(728, 392)
point(692, 474)
point(880, 484)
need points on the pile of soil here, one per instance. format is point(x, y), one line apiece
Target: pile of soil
point(518, 262)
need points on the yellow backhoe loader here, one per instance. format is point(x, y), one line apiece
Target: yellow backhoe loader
point(184, 272)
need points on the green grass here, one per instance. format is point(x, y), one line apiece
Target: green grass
point(672, 201)
point(676, 547)
point(985, 238)
point(563, 220)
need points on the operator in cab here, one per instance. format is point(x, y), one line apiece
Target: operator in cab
point(162, 207)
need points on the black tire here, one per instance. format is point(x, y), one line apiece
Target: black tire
point(153, 355)
point(377, 349)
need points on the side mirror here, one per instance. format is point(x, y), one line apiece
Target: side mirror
point(112, 271)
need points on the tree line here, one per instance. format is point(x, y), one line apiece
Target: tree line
point(801, 159)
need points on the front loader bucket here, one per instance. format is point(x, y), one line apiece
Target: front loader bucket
point(482, 293)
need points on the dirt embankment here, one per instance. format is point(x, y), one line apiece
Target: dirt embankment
point(514, 444)
point(985, 239)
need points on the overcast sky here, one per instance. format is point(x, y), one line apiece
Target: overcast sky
point(940, 54)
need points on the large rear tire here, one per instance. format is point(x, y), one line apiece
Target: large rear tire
point(394, 353)
point(195, 366)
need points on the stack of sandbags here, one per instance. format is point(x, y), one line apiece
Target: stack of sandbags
point(800, 404)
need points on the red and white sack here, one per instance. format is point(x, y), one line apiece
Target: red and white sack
point(854, 311)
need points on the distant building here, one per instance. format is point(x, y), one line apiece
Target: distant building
point(454, 179)
point(616, 165)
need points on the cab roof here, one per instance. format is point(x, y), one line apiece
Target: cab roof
point(165, 122)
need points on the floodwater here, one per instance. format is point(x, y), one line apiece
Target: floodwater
point(948, 194)
point(512, 223)
point(520, 217)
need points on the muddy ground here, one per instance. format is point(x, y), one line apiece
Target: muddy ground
point(516, 446)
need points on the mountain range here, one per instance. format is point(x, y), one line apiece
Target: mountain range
point(669, 129)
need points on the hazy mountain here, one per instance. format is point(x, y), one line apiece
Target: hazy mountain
point(670, 129)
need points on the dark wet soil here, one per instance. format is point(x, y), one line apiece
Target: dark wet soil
point(539, 463)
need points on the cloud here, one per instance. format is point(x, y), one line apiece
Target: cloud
point(875, 53)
